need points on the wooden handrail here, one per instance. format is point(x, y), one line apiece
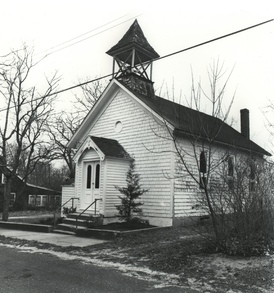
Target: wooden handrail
point(94, 202)
point(71, 199)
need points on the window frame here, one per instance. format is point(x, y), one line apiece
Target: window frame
point(203, 166)
point(252, 175)
point(97, 175)
point(31, 200)
point(38, 200)
point(231, 159)
point(12, 198)
point(89, 176)
point(3, 178)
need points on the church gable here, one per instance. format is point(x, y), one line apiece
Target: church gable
point(137, 130)
point(128, 122)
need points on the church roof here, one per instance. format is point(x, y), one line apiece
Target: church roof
point(133, 38)
point(190, 122)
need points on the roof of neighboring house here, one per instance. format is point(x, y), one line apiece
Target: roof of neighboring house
point(110, 147)
point(40, 187)
point(37, 187)
point(29, 184)
point(134, 37)
point(187, 121)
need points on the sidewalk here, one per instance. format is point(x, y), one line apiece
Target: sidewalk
point(51, 238)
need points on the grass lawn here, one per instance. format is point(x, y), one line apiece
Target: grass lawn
point(32, 216)
point(28, 213)
point(177, 251)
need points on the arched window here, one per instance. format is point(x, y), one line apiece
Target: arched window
point(97, 176)
point(203, 170)
point(230, 172)
point(252, 175)
point(89, 173)
point(203, 162)
point(252, 170)
point(230, 163)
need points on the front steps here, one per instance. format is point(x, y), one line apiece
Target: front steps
point(83, 222)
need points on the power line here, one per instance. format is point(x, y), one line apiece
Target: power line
point(174, 53)
point(79, 36)
point(213, 40)
point(82, 40)
point(63, 90)
point(156, 59)
point(81, 84)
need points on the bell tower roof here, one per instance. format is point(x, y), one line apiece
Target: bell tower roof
point(134, 38)
point(134, 56)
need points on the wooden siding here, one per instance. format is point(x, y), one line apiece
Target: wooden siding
point(78, 181)
point(186, 190)
point(67, 193)
point(115, 175)
point(102, 186)
point(141, 137)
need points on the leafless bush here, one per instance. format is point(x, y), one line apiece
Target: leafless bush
point(242, 207)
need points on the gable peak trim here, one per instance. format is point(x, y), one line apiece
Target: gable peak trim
point(87, 145)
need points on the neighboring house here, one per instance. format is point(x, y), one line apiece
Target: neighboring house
point(130, 121)
point(29, 194)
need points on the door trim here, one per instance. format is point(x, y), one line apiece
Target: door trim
point(91, 184)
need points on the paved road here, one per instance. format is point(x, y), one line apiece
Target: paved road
point(23, 272)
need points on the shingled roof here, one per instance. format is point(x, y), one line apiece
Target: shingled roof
point(110, 147)
point(187, 121)
point(134, 37)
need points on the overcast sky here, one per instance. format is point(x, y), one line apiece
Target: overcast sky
point(78, 33)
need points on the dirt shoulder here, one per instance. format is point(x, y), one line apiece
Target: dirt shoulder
point(179, 254)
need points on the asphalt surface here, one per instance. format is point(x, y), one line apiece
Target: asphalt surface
point(30, 271)
point(24, 272)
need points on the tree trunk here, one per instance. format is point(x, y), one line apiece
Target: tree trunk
point(213, 215)
point(6, 200)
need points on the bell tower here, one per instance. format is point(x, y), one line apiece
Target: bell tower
point(132, 60)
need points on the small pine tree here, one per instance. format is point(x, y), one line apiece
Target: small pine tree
point(129, 208)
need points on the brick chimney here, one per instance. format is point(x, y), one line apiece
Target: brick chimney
point(245, 129)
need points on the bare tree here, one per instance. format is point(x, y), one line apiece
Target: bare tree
point(90, 93)
point(226, 183)
point(49, 176)
point(23, 118)
point(199, 159)
point(61, 129)
point(63, 125)
point(268, 111)
point(243, 205)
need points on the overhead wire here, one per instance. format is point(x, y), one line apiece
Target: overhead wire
point(82, 40)
point(79, 36)
point(213, 40)
point(156, 59)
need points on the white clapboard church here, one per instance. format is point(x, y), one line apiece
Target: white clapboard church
point(130, 121)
